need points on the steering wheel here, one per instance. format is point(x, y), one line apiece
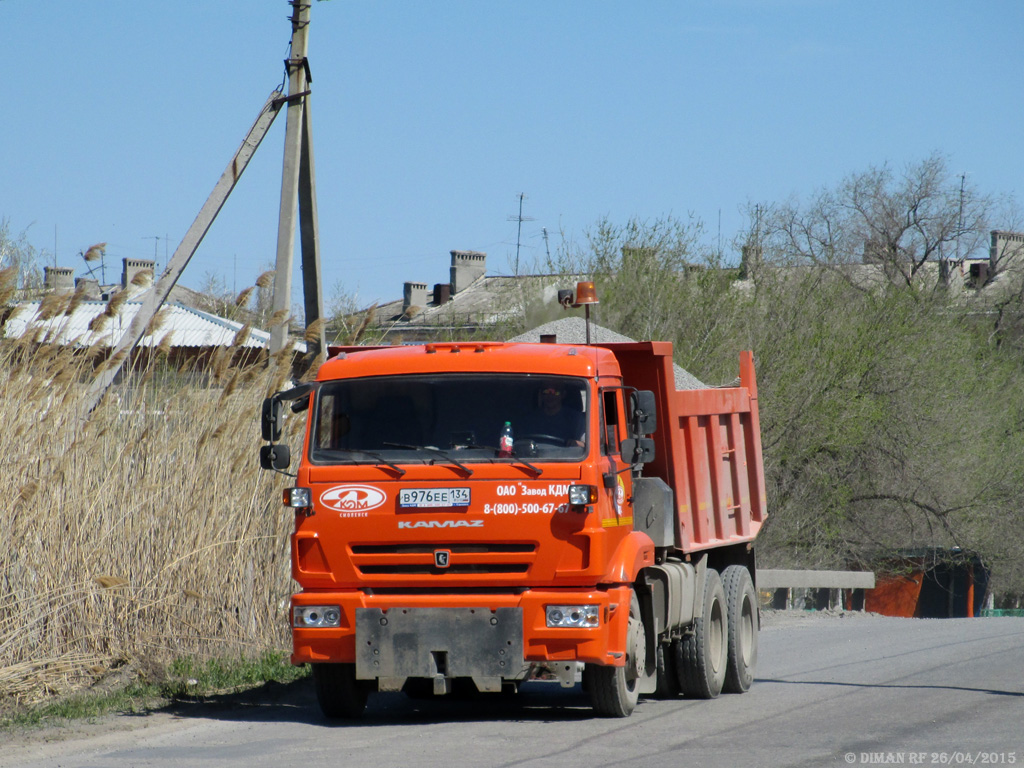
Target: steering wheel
point(548, 439)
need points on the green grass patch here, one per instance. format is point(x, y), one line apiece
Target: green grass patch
point(133, 698)
point(185, 679)
point(190, 678)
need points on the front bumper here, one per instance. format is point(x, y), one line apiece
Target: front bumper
point(436, 619)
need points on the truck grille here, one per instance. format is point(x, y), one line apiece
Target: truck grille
point(500, 558)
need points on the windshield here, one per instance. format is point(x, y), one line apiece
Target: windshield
point(453, 418)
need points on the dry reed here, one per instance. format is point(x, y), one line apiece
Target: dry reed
point(146, 531)
point(94, 252)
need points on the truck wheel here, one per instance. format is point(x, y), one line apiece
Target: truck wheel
point(338, 692)
point(701, 659)
point(741, 609)
point(614, 691)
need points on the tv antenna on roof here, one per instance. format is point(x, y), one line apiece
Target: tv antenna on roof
point(519, 230)
point(156, 244)
point(96, 253)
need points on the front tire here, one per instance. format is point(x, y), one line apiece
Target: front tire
point(741, 609)
point(614, 691)
point(701, 661)
point(338, 693)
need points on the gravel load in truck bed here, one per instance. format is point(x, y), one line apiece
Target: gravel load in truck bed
point(573, 330)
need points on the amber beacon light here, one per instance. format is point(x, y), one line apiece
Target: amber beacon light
point(586, 295)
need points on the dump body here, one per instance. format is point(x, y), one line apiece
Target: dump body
point(427, 552)
point(708, 448)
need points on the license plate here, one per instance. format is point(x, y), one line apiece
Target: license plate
point(433, 497)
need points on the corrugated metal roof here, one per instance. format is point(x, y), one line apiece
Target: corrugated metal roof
point(188, 327)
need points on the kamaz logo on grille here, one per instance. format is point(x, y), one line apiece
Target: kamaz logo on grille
point(442, 524)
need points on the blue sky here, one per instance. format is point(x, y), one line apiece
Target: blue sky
point(430, 118)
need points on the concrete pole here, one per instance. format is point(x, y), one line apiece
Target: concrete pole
point(309, 236)
point(297, 86)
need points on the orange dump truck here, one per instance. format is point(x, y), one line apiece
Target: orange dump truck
point(454, 528)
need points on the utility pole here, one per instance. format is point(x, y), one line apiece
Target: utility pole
point(298, 189)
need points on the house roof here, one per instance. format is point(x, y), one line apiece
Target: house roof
point(187, 327)
point(483, 301)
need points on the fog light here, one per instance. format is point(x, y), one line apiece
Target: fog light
point(572, 615)
point(581, 495)
point(316, 616)
point(298, 498)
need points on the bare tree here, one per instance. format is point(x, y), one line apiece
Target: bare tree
point(900, 222)
point(17, 253)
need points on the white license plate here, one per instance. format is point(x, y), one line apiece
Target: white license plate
point(433, 497)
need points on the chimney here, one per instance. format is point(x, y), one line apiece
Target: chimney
point(414, 295)
point(467, 267)
point(978, 274)
point(442, 293)
point(59, 279)
point(90, 287)
point(132, 267)
point(750, 260)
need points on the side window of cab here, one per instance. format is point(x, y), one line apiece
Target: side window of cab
point(612, 428)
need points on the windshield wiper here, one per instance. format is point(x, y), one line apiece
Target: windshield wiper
point(375, 456)
point(436, 452)
point(536, 470)
point(515, 459)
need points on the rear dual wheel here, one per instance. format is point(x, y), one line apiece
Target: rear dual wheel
point(702, 655)
point(741, 607)
point(721, 652)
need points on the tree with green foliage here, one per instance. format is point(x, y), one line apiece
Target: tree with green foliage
point(889, 415)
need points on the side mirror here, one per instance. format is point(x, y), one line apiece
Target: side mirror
point(645, 412)
point(272, 421)
point(275, 457)
point(637, 450)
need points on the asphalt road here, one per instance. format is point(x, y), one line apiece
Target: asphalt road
point(830, 690)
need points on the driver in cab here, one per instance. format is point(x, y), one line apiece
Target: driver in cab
point(554, 420)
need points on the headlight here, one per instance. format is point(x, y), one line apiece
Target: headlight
point(299, 498)
point(573, 615)
point(581, 495)
point(316, 616)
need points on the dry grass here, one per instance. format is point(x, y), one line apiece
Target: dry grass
point(148, 530)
